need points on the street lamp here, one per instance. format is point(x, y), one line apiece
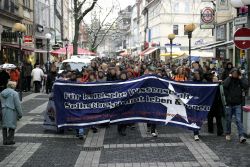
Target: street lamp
point(48, 37)
point(171, 37)
point(20, 29)
point(66, 46)
point(189, 29)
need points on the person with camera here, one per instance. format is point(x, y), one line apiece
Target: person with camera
point(234, 85)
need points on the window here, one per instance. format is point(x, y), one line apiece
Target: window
point(26, 3)
point(176, 7)
point(187, 6)
point(176, 29)
point(185, 33)
point(221, 32)
point(59, 6)
point(231, 32)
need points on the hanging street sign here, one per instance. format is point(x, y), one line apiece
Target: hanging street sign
point(207, 18)
point(240, 20)
point(242, 38)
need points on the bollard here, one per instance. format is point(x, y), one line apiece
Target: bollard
point(246, 119)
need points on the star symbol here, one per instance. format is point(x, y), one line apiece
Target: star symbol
point(173, 108)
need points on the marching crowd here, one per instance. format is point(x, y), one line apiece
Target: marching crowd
point(232, 84)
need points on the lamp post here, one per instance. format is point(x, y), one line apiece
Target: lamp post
point(48, 37)
point(20, 29)
point(171, 37)
point(66, 46)
point(189, 29)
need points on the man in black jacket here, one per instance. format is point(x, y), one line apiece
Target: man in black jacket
point(233, 89)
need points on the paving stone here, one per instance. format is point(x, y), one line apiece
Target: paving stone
point(31, 104)
point(42, 96)
point(52, 155)
point(151, 154)
point(5, 151)
point(231, 153)
point(133, 137)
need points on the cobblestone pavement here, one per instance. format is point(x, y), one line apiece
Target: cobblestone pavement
point(174, 146)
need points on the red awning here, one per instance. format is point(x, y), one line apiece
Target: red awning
point(70, 51)
point(124, 54)
point(147, 51)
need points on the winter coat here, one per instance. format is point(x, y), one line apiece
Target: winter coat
point(37, 74)
point(233, 89)
point(14, 75)
point(11, 108)
point(4, 77)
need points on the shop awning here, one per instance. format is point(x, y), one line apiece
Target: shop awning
point(40, 51)
point(174, 54)
point(148, 51)
point(124, 54)
point(207, 45)
point(24, 48)
point(218, 45)
point(70, 51)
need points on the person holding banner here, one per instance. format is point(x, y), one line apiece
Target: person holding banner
point(233, 89)
point(121, 128)
point(150, 126)
point(197, 77)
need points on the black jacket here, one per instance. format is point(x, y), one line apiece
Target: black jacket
point(233, 89)
point(4, 77)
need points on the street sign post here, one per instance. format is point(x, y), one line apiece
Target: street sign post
point(242, 38)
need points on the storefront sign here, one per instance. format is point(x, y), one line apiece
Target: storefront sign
point(28, 39)
point(240, 20)
point(207, 18)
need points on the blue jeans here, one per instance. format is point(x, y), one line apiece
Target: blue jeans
point(236, 111)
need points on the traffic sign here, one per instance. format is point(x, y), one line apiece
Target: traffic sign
point(242, 38)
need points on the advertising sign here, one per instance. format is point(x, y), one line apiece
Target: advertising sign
point(207, 18)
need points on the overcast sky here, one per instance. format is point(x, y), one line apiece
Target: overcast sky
point(104, 6)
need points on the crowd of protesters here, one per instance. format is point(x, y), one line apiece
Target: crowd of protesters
point(106, 69)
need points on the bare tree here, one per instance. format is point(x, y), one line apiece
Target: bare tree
point(79, 14)
point(99, 30)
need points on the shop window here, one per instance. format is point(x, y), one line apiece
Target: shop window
point(176, 29)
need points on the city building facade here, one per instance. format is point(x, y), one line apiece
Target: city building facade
point(11, 12)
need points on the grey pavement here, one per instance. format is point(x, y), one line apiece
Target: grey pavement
point(36, 147)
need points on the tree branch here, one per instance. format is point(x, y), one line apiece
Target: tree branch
point(80, 5)
point(88, 10)
point(104, 35)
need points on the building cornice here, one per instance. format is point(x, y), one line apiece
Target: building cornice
point(10, 15)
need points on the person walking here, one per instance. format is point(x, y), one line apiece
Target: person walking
point(233, 89)
point(4, 77)
point(27, 69)
point(37, 76)
point(11, 111)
